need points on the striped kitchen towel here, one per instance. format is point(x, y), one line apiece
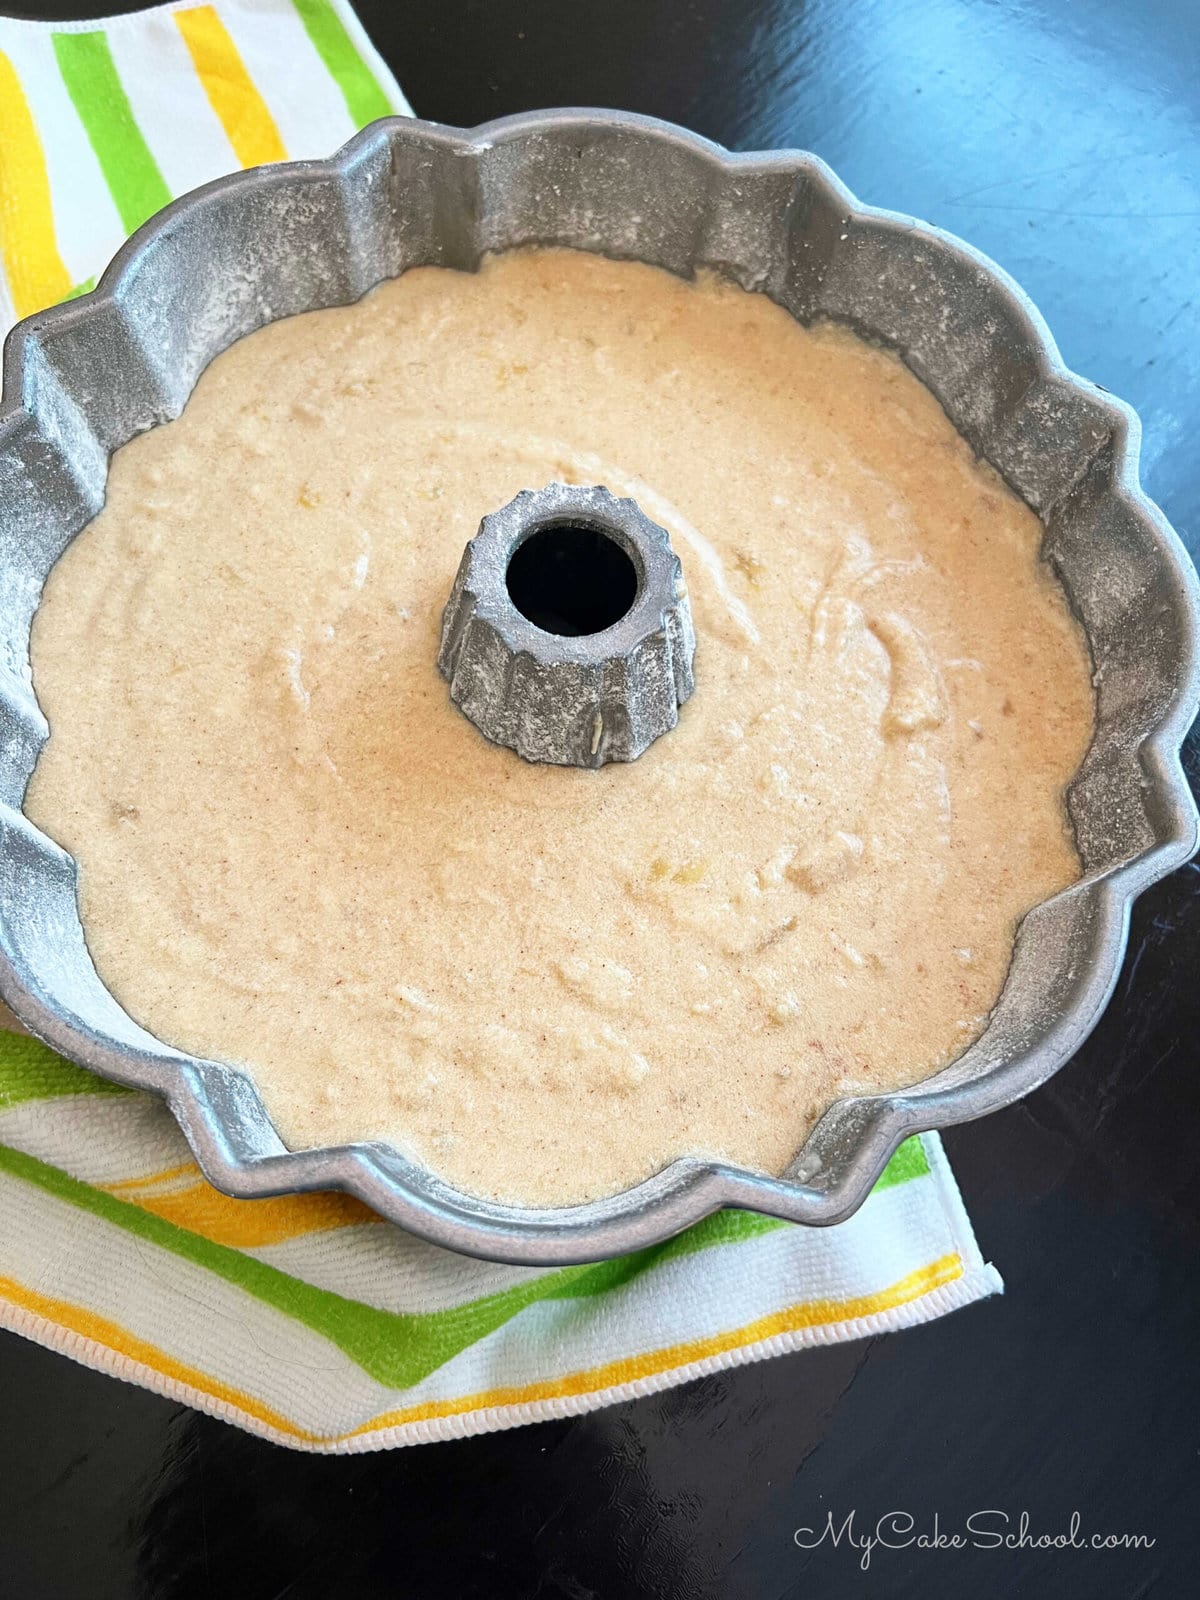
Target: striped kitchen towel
point(307, 1319)
point(102, 123)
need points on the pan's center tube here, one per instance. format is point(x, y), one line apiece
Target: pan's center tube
point(568, 634)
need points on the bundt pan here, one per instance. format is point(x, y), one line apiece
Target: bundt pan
point(83, 378)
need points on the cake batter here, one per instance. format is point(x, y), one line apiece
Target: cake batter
point(297, 855)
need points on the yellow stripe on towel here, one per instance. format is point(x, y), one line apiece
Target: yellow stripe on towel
point(616, 1374)
point(34, 269)
point(242, 1224)
point(240, 108)
point(104, 1335)
point(148, 1182)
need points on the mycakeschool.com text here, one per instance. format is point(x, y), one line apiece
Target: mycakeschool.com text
point(990, 1529)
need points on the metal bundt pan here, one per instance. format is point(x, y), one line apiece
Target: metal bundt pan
point(83, 378)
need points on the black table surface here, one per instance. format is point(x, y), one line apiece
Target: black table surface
point(1063, 138)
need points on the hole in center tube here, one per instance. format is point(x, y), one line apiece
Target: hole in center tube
point(572, 580)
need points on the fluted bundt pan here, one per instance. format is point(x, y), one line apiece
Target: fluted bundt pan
point(82, 379)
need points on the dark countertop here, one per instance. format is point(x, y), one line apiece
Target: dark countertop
point(1063, 138)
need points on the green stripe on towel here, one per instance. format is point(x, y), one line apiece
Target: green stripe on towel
point(909, 1161)
point(365, 100)
point(130, 171)
point(30, 1070)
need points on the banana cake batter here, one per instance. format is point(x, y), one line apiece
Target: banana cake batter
point(297, 855)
